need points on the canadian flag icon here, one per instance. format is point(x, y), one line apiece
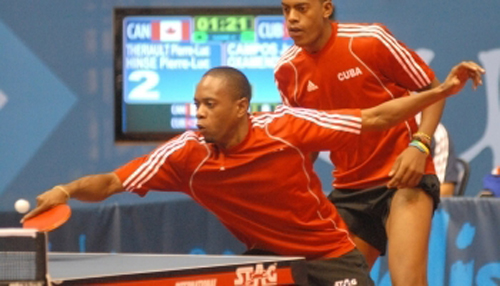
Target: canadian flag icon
point(170, 31)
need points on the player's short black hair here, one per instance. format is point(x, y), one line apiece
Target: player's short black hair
point(236, 81)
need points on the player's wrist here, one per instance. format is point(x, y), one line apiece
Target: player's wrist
point(63, 190)
point(423, 138)
point(446, 89)
point(420, 146)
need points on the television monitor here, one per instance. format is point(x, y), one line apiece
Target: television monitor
point(160, 54)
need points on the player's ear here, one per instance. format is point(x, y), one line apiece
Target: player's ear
point(243, 106)
point(328, 9)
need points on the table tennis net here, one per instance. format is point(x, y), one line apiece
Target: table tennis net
point(23, 257)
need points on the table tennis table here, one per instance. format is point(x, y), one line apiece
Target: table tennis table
point(176, 270)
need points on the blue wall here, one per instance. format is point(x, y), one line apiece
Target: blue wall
point(56, 89)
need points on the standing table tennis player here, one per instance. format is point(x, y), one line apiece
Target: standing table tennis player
point(385, 189)
point(253, 172)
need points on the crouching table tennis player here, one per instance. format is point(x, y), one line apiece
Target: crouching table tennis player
point(254, 173)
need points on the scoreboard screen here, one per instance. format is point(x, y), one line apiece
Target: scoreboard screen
point(161, 54)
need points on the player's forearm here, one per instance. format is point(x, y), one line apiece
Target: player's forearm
point(431, 115)
point(94, 188)
point(392, 112)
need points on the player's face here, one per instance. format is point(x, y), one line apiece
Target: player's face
point(218, 110)
point(307, 22)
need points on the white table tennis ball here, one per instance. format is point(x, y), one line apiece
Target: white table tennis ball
point(22, 206)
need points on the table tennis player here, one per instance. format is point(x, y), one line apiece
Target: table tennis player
point(254, 173)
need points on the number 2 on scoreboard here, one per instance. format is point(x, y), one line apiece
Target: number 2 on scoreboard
point(145, 89)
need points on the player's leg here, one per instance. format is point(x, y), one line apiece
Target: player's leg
point(369, 252)
point(408, 228)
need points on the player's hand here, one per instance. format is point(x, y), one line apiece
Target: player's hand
point(460, 74)
point(408, 169)
point(46, 201)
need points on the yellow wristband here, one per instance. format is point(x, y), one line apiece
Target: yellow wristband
point(424, 135)
point(420, 146)
point(59, 187)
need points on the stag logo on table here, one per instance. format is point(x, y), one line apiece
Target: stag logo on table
point(256, 276)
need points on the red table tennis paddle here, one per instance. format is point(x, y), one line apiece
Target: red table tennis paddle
point(50, 219)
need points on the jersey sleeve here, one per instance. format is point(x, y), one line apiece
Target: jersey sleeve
point(399, 63)
point(314, 130)
point(158, 170)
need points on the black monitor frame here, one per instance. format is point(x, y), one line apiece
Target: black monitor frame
point(118, 15)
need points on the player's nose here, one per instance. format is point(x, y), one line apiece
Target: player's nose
point(201, 112)
point(293, 16)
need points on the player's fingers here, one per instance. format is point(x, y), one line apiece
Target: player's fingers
point(414, 180)
point(393, 183)
point(29, 215)
point(470, 65)
point(406, 179)
point(396, 182)
point(456, 79)
point(399, 179)
point(474, 66)
point(477, 78)
point(396, 176)
point(44, 201)
point(467, 67)
point(474, 72)
point(36, 211)
point(395, 167)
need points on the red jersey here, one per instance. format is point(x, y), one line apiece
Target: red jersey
point(361, 66)
point(264, 190)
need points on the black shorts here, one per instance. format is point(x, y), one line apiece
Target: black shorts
point(365, 211)
point(346, 270)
